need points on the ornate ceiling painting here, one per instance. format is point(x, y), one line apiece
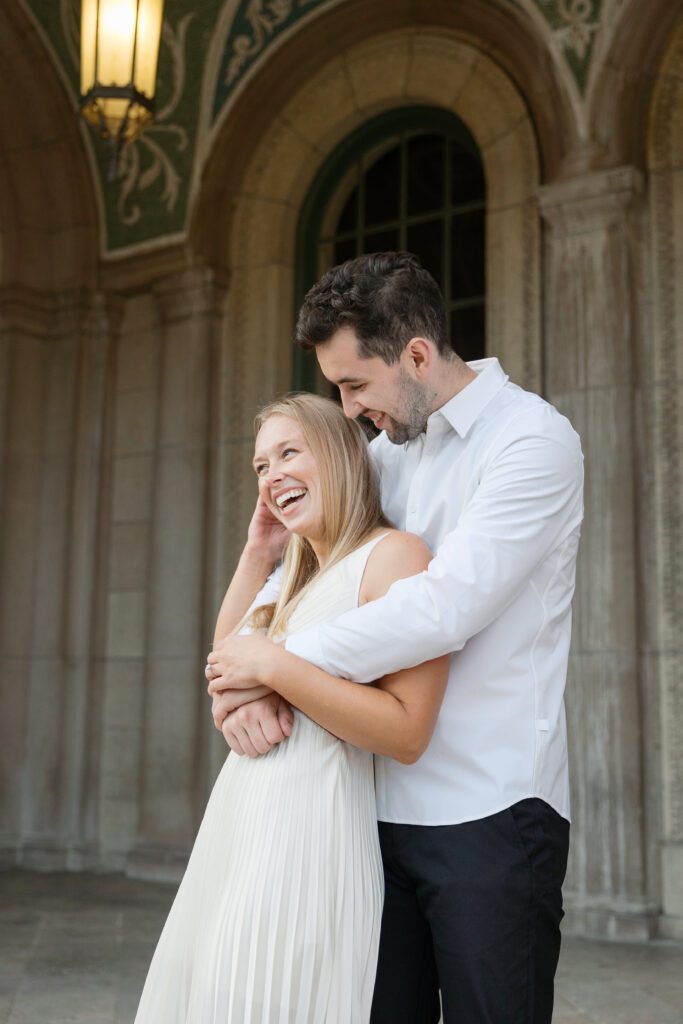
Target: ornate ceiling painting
point(148, 203)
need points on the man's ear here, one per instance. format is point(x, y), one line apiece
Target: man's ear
point(420, 355)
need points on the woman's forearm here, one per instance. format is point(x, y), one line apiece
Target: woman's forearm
point(250, 575)
point(363, 715)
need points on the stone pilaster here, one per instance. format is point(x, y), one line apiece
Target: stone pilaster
point(590, 328)
point(178, 632)
point(55, 364)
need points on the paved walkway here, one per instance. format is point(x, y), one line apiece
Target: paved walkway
point(74, 949)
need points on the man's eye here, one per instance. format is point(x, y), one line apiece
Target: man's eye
point(357, 387)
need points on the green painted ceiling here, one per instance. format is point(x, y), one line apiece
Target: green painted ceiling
point(149, 200)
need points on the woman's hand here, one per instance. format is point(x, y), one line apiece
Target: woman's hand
point(266, 534)
point(242, 662)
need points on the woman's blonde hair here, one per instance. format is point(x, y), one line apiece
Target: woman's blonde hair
point(349, 489)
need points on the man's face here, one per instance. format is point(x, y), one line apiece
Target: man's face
point(391, 396)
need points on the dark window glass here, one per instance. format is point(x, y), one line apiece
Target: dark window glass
point(426, 241)
point(425, 194)
point(467, 332)
point(467, 255)
point(382, 241)
point(426, 173)
point(382, 184)
point(349, 215)
point(467, 176)
point(344, 251)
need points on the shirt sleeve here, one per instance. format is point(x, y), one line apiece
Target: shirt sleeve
point(528, 501)
point(268, 594)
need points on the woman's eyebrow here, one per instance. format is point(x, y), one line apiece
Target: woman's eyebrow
point(280, 444)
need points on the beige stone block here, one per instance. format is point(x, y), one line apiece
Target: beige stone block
point(124, 680)
point(439, 67)
point(603, 724)
point(513, 292)
point(132, 487)
point(138, 361)
point(511, 167)
point(282, 165)
point(665, 142)
point(667, 251)
point(129, 555)
point(378, 70)
point(605, 607)
point(489, 102)
point(327, 99)
point(177, 558)
point(263, 232)
point(120, 762)
point(18, 546)
point(672, 879)
point(118, 826)
point(671, 710)
point(185, 384)
point(135, 422)
point(126, 624)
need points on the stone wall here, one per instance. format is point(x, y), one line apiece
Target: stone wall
point(128, 388)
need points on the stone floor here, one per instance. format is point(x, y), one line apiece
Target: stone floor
point(74, 949)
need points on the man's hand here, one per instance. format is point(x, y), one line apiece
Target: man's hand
point(225, 703)
point(257, 727)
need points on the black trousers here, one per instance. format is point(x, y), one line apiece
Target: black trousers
point(473, 910)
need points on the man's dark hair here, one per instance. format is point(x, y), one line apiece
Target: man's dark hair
point(386, 297)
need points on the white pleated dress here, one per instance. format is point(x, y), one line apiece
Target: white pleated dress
point(277, 917)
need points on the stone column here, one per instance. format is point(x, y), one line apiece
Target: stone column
point(178, 633)
point(56, 349)
point(590, 323)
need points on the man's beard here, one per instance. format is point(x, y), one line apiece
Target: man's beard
point(415, 404)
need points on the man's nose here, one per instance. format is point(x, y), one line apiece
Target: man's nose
point(351, 406)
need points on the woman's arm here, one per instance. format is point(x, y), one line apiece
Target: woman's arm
point(395, 718)
point(266, 539)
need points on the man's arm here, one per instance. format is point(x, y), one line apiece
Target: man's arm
point(528, 501)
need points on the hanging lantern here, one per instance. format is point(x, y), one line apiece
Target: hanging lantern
point(119, 55)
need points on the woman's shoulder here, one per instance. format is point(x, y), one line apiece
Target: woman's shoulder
point(397, 555)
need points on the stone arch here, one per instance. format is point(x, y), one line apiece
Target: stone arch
point(628, 67)
point(661, 372)
point(250, 224)
point(48, 209)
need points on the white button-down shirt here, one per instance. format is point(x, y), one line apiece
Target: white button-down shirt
point(495, 488)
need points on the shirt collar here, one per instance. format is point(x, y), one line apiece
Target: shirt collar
point(463, 409)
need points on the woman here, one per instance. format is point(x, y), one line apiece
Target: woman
point(277, 917)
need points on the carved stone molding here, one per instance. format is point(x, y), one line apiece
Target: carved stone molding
point(195, 292)
point(591, 201)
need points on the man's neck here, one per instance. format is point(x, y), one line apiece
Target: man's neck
point(451, 377)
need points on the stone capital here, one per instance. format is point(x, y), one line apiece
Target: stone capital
point(590, 202)
point(193, 292)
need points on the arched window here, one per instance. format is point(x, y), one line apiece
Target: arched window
point(410, 180)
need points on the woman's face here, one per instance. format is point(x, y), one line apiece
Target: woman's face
point(288, 477)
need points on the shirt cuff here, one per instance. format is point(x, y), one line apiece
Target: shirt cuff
point(307, 645)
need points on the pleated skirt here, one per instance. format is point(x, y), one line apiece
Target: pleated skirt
point(277, 917)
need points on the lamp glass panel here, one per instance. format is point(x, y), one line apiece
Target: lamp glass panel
point(116, 38)
point(147, 53)
point(88, 30)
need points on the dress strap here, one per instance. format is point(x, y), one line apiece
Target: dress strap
point(361, 556)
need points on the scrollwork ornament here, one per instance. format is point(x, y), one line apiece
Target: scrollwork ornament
point(579, 25)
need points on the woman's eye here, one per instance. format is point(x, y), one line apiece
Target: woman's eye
point(260, 469)
point(288, 451)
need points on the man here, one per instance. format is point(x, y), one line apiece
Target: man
point(474, 836)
